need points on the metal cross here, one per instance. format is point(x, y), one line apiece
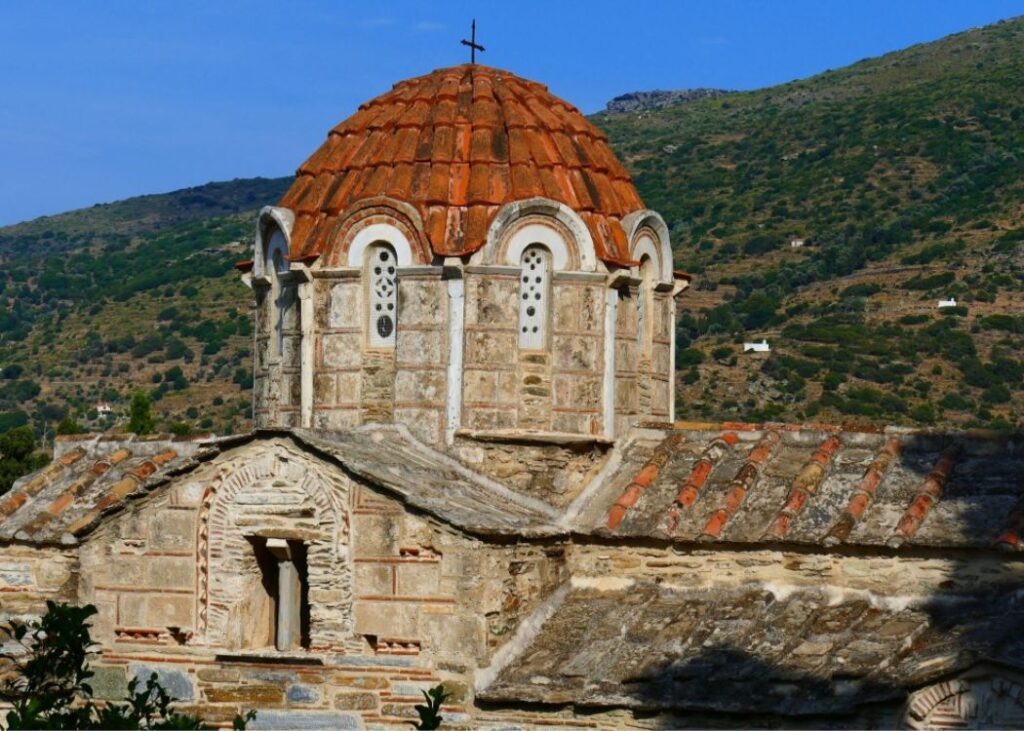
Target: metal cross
point(473, 45)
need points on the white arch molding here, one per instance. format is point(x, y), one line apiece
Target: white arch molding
point(375, 233)
point(634, 224)
point(273, 223)
point(510, 213)
point(532, 235)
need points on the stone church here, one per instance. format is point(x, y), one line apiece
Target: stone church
point(469, 468)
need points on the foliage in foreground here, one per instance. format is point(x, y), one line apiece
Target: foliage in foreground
point(49, 682)
point(430, 713)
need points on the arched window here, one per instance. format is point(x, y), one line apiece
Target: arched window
point(381, 274)
point(282, 297)
point(645, 307)
point(534, 297)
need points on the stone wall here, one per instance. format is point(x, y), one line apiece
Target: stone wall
point(398, 601)
point(354, 385)
point(627, 396)
point(29, 576)
point(556, 389)
point(553, 473)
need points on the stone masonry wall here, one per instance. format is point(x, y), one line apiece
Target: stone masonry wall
point(627, 397)
point(421, 379)
point(337, 369)
point(398, 601)
point(29, 576)
point(558, 389)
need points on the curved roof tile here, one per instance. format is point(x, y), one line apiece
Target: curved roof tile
point(458, 144)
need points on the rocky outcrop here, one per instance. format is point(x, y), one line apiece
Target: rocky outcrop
point(641, 101)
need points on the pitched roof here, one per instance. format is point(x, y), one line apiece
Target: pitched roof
point(752, 649)
point(819, 485)
point(457, 144)
point(93, 476)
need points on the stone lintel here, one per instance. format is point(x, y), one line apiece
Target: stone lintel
point(508, 271)
point(420, 271)
point(337, 273)
point(596, 277)
point(522, 436)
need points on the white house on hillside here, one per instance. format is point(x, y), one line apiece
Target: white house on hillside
point(761, 347)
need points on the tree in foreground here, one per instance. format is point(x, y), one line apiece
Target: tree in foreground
point(18, 456)
point(47, 681)
point(140, 421)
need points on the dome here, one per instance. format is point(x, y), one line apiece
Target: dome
point(457, 145)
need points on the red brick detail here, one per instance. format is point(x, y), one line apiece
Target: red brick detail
point(928, 493)
point(805, 486)
point(644, 479)
point(698, 476)
point(865, 491)
point(744, 481)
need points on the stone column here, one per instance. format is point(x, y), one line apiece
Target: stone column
point(289, 595)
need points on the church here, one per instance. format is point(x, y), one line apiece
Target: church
point(469, 468)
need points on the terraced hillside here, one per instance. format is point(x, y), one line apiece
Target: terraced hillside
point(904, 178)
point(139, 294)
point(903, 175)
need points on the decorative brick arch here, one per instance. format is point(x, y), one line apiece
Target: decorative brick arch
point(326, 534)
point(393, 221)
point(985, 702)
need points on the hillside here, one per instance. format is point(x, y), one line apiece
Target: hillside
point(903, 175)
point(135, 294)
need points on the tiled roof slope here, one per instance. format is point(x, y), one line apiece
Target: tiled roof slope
point(743, 483)
point(93, 476)
point(752, 649)
point(457, 144)
point(89, 476)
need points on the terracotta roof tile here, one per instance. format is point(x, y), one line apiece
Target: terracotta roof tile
point(527, 141)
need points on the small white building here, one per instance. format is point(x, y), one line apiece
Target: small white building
point(761, 347)
point(103, 408)
point(796, 243)
point(951, 302)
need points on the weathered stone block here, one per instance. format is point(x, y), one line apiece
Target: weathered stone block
point(344, 304)
point(491, 347)
point(246, 694)
point(369, 682)
point(418, 579)
point(302, 694)
point(374, 578)
point(170, 572)
point(420, 347)
point(173, 610)
point(355, 701)
point(420, 386)
point(342, 350)
point(305, 720)
point(348, 387)
point(480, 386)
point(176, 682)
point(386, 619)
point(109, 683)
point(172, 530)
point(375, 535)
point(425, 424)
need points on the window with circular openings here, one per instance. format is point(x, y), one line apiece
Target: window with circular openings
point(534, 297)
point(382, 276)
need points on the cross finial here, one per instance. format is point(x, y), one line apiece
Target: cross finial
point(473, 45)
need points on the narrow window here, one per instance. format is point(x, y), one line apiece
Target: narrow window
point(534, 294)
point(282, 298)
point(283, 567)
point(383, 284)
point(645, 307)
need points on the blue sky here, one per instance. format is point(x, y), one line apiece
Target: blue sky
point(102, 99)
